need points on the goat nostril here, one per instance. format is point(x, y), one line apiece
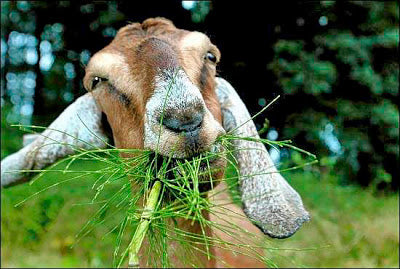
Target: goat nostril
point(191, 125)
point(183, 123)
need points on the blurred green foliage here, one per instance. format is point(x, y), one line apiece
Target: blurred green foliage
point(11, 137)
point(354, 75)
point(350, 227)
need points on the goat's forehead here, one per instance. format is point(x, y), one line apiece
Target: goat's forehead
point(114, 59)
point(107, 57)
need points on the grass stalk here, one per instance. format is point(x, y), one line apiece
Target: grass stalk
point(143, 226)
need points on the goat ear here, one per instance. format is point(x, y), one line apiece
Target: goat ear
point(78, 126)
point(268, 200)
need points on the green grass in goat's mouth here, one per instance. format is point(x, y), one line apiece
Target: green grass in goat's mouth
point(182, 195)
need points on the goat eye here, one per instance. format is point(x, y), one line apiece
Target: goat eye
point(211, 57)
point(96, 81)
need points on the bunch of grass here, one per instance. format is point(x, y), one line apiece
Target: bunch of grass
point(153, 192)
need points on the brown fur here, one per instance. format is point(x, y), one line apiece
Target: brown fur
point(130, 63)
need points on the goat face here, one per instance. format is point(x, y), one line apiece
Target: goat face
point(156, 85)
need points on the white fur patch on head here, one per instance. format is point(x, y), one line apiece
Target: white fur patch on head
point(105, 62)
point(111, 66)
point(174, 90)
point(195, 40)
point(193, 49)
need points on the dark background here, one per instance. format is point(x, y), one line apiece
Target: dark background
point(334, 64)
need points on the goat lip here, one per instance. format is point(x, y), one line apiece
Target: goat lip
point(212, 158)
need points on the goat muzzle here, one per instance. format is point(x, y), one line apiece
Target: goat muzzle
point(178, 123)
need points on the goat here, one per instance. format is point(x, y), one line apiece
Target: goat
point(127, 83)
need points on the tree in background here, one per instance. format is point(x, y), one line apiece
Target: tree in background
point(349, 75)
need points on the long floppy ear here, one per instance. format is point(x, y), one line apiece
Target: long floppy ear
point(268, 200)
point(78, 126)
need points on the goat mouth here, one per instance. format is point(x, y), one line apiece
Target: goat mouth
point(207, 167)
